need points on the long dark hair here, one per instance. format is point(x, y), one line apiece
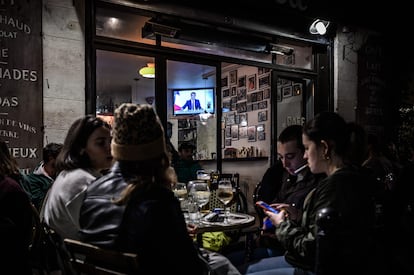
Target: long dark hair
point(76, 139)
point(8, 164)
point(347, 140)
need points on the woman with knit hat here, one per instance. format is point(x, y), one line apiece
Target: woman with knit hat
point(133, 208)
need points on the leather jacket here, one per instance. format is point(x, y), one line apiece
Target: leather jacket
point(100, 217)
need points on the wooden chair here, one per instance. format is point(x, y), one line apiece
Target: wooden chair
point(90, 259)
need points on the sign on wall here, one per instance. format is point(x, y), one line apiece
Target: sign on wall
point(21, 94)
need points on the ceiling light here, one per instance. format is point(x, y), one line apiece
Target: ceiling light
point(149, 71)
point(319, 27)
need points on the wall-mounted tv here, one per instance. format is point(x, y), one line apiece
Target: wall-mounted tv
point(193, 101)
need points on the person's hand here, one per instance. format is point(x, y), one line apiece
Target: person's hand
point(291, 211)
point(278, 218)
point(191, 230)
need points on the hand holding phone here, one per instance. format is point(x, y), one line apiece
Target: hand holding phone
point(265, 206)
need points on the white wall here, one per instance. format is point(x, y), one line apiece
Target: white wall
point(63, 68)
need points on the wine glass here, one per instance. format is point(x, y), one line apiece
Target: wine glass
point(225, 195)
point(180, 191)
point(200, 193)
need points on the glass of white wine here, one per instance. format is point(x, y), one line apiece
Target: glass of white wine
point(200, 193)
point(225, 195)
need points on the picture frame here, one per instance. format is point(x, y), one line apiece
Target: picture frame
point(243, 119)
point(230, 119)
point(287, 91)
point(251, 133)
point(241, 94)
point(224, 81)
point(233, 91)
point(251, 82)
point(234, 132)
point(266, 93)
point(228, 142)
point(262, 116)
point(241, 81)
point(226, 92)
point(233, 77)
point(227, 133)
point(242, 132)
point(260, 127)
point(264, 81)
point(261, 136)
point(263, 104)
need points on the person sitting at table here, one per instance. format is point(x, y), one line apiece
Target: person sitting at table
point(347, 189)
point(133, 209)
point(186, 167)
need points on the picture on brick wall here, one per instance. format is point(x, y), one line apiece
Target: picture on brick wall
point(243, 119)
point(261, 135)
point(251, 133)
point(233, 90)
point(262, 116)
point(228, 142)
point(241, 94)
point(233, 77)
point(228, 132)
point(263, 104)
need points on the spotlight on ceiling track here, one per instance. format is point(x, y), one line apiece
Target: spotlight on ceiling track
point(319, 26)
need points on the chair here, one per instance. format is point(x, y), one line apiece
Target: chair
point(90, 259)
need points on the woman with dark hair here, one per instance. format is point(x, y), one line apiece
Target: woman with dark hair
point(85, 154)
point(347, 190)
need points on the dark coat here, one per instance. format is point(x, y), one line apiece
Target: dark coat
point(350, 193)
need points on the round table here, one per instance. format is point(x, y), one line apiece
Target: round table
point(235, 221)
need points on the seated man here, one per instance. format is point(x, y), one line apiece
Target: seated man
point(290, 180)
point(186, 167)
point(44, 174)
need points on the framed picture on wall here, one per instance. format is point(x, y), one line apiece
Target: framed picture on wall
point(224, 81)
point(251, 82)
point(222, 138)
point(297, 89)
point(287, 91)
point(228, 142)
point(251, 133)
point(241, 81)
point(262, 116)
point(227, 133)
point(233, 77)
point(266, 93)
point(235, 132)
point(243, 132)
point(264, 81)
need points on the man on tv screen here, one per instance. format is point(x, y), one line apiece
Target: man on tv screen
point(192, 104)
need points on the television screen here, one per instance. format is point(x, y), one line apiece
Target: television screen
point(193, 101)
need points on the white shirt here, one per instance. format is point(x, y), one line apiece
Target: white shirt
point(62, 205)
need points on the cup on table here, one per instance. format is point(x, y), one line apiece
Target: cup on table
point(180, 191)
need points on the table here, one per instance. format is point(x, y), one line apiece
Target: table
point(236, 221)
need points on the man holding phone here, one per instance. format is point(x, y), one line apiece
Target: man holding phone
point(284, 186)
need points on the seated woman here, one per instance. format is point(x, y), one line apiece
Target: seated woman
point(133, 208)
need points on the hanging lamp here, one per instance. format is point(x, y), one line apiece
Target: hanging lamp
point(148, 71)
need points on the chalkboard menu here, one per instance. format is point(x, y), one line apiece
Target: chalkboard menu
point(21, 94)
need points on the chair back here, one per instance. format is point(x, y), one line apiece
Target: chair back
point(239, 200)
point(91, 259)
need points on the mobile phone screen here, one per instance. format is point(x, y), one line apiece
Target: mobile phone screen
point(265, 206)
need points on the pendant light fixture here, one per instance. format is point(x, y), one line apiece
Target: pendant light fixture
point(148, 71)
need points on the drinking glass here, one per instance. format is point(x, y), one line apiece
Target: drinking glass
point(180, 191)
point(225, 195)
point(201, 194)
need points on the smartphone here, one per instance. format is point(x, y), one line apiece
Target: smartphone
point(265, 206)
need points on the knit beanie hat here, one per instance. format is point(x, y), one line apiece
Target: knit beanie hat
point(137, 133)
